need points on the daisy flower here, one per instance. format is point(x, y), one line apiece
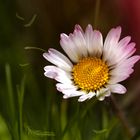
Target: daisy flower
point(92, 67)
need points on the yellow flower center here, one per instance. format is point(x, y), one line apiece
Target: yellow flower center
point(90, 74)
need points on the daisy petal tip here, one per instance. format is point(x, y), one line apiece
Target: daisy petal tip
point(133, 44)
point(58, 88)
point(125, 41)
point(50, 50)
point(122, 90)
point(50, 74)
point(78, 27)
point(65, 97)
point(89, 26)
point(119, 28)
point(101, 98)
point(128, 38)
point(89, 30)
point(98, 34)
point(118, 88)
point(63, 36)
point(45, 68)
point(81, 100)
point(136, 58)
point(45, 55)
point(117, 31)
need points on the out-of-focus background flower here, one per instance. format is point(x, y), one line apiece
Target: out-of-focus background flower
point(45, 115)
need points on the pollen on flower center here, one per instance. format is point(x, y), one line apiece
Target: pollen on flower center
point(90, 74)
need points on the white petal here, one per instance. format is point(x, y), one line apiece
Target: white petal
point(131, 61)
point(58, 59)
point(117, 88)
point(112, 37)
point(120, 71)
point(72, 93)
point(78, 27)
point(98, 95)
point(78, 39)
point(69, 47)
point(118, 78)
point(61, 87)
point(122, 53)
point(61, 57)
point(101, 98)
point(126, 51)
point(123, 70)
point(102, 93)
point(86, 96)
point(57, 74)
point(108, 93)
point(124, 42)
point(94, 41)
point(120, 74)
point(111, 44)
point(119, 51)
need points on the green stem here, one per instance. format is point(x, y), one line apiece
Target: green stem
point(96, 15)
point(20, 90)
point(10, 92)
point(122, 117)
point(11, 104)
point(34, 48)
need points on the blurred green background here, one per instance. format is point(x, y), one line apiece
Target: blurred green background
point(30, 106)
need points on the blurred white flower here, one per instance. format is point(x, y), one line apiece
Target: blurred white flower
point(93, 68)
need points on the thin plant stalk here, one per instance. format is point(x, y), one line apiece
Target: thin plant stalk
point(96, 15)
point(20, 91)
point(11, 104)
point(122, 117)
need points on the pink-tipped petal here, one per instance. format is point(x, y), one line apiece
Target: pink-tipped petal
point(102, 93)
point(101, 98)
point(78, 28)
point(120, 73)
point(112, 37)
point(57, 74)
point(125, 52)
point(128, 50)
point(79, 40)
point(69, 47)
point(86, 96)
point(127, 64)
point(117, 78)
point(117, 88)
point(108, 93)
point(94, 41)
point(110, 46)
point(72, 93)
point(60, 56)
point(61, 87)
point(132, 60)
point(124, 42)
point(58, 59)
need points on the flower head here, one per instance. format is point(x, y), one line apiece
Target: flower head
point(93, 68)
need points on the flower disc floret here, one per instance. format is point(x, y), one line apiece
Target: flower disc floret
point(90, 74)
